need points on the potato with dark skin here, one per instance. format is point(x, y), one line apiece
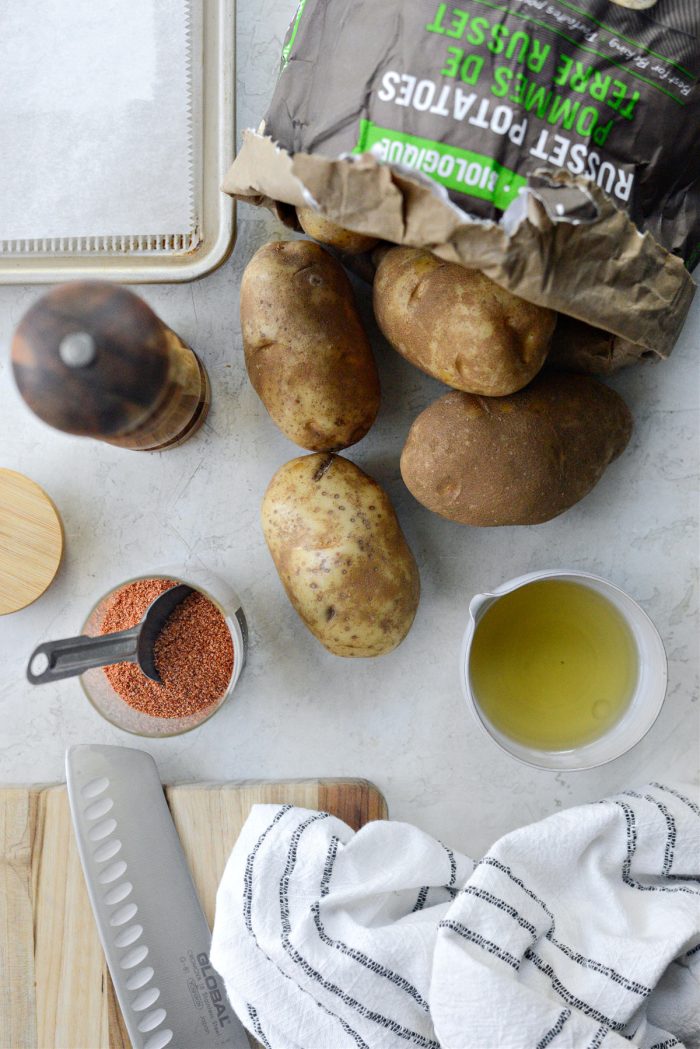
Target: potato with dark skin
point(578, 347)
point(306, 352)
point(457, 325)
point(517, 460)
point(341, 555)
point(327, 232)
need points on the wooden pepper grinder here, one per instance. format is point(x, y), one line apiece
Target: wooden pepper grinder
point(91, 358)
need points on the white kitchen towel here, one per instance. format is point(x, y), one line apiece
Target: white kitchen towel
point(580, 931)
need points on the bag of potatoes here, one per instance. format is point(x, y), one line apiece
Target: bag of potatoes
point(549, 145)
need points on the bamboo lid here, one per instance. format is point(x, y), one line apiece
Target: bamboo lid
point(31, 541)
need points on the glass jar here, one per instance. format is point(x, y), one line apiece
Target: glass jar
point(116, 710)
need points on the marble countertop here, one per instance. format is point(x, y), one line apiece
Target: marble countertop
point(401, 720)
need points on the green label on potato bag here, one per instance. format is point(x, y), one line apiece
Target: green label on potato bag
point(462, 170)
point(294, 29)
point(599, 91)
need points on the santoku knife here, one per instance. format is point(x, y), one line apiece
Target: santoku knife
point(151, 924)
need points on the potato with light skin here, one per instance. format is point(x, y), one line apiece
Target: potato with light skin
point(517, 460)
point(306, 352)
point(326, 232)
point(341, 555)
point(457, 325)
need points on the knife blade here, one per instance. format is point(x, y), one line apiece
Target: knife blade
point(150, 921)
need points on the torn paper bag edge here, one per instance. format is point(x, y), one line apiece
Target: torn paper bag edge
point(589, 262)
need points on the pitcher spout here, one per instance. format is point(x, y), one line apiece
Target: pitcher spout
point(479, 604)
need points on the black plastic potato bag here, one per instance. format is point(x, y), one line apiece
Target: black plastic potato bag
point(553, 145)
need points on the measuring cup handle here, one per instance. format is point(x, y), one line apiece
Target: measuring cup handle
point(73, 655)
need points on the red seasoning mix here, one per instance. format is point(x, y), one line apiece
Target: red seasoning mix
point(194, 653)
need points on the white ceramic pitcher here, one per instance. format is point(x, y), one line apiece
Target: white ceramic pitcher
point(647, 698)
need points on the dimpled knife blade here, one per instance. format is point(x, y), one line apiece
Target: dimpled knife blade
point(151, 924)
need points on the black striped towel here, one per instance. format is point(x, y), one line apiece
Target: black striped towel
point(580, 931)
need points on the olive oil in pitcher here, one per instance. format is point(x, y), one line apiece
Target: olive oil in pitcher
point(553, 664)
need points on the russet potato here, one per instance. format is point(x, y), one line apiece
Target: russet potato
point(327, 232)
point(457, 325)
point(341, 555)
point(517, 460)
point(306, 352)
point(578, 347)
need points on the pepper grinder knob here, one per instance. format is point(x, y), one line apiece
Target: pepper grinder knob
point(77, 350)
point(91, 358)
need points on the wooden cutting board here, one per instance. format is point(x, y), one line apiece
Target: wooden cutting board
point(55, 989)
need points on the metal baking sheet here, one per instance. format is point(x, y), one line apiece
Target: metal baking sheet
point(159, 259)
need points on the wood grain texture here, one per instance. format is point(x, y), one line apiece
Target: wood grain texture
point(31, 541)
point(18, 1002)
point(55, 989)
point(143, 389)
point(127, 378)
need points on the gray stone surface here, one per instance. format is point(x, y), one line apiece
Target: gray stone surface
point(400, 720)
